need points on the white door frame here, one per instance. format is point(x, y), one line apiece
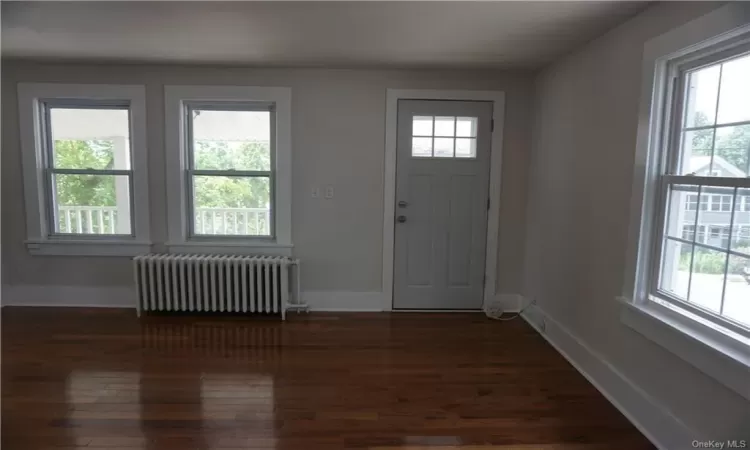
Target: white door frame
point(389, 180)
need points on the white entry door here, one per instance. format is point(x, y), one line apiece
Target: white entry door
point(442, 177)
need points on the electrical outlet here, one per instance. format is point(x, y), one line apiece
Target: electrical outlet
point(315, 192)
point(329, 192)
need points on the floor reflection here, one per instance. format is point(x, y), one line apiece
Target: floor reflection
point(253, 342)
point(104, 406)
point(238, 409)
point(88, 379)
point(224, 393)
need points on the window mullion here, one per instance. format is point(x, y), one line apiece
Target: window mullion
point(231, 173)
point(692, 249)
point(674, 121)
point(124, 172)
point(659, 231)
point(708, 181)
point(729, 247)
point(716, 119)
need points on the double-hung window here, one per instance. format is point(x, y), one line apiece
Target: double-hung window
point(84, 168)
point(705, 179)
point(687, 278)
point(229, 151)
point(228, 169)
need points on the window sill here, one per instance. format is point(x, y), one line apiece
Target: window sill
point(87, 247)
point(722, 355)
point(232, 247)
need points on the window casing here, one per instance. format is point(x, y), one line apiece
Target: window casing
point(706, 273)
point(228, 169)
point(85, 169)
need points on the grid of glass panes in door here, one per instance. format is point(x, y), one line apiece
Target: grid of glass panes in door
point(444, 137)
point(714, 128)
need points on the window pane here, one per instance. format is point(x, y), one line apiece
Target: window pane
point(737, 293)
point(734, 99)
point(444, 147)
point(422, 126)
point(444, 126)
point(703, 89)
point(224, 140)
point(707, 283)
point(466, 148)
point(732, 150)
point(696, 152)
point(421, 147)
point(232, 205)
point(91, 204)
point(90, 138)
point(717, 216)
point(466, 126)
point(675, 269)
point(682, 209)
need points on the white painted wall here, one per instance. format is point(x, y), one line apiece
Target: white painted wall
point(579, 196)
point(338, 133)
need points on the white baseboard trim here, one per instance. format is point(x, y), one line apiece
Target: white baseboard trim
point(124, 297)
point(69, 296)
point(343, 301)
point(662, 428)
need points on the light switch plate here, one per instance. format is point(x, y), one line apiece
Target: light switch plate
point(329, 191)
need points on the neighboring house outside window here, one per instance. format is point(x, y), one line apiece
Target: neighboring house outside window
point(716, 209)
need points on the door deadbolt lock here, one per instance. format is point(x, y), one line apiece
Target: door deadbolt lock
point(402, 204)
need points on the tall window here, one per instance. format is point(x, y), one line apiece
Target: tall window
point(85, 169)
point(229, 183)
point(709, 274)
point(230, 164)
point(89, 170)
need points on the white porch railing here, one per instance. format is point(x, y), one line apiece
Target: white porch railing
point(233, 221)
point(87, 219)
point(216, 221)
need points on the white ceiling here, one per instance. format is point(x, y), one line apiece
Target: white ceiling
point(334, 34)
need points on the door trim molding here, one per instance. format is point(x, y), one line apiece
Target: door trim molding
point(389, 179)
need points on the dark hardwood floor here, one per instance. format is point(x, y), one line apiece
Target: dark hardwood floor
point(84, 378)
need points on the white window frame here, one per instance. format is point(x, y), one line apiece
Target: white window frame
point(180, 241)
point(707, 344)
point(40, 240)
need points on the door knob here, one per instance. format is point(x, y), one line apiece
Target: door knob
point(401, 219)
point(402, 204)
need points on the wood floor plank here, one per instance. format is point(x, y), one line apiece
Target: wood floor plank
point(103, 379)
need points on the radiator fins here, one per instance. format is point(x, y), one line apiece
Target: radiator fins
point(213, 283)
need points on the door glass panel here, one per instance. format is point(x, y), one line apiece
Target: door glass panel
point(444, 147)
point(421, 126)
point(421, 147)
point(445, 126)
point(466, 126)
point(466, 148)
